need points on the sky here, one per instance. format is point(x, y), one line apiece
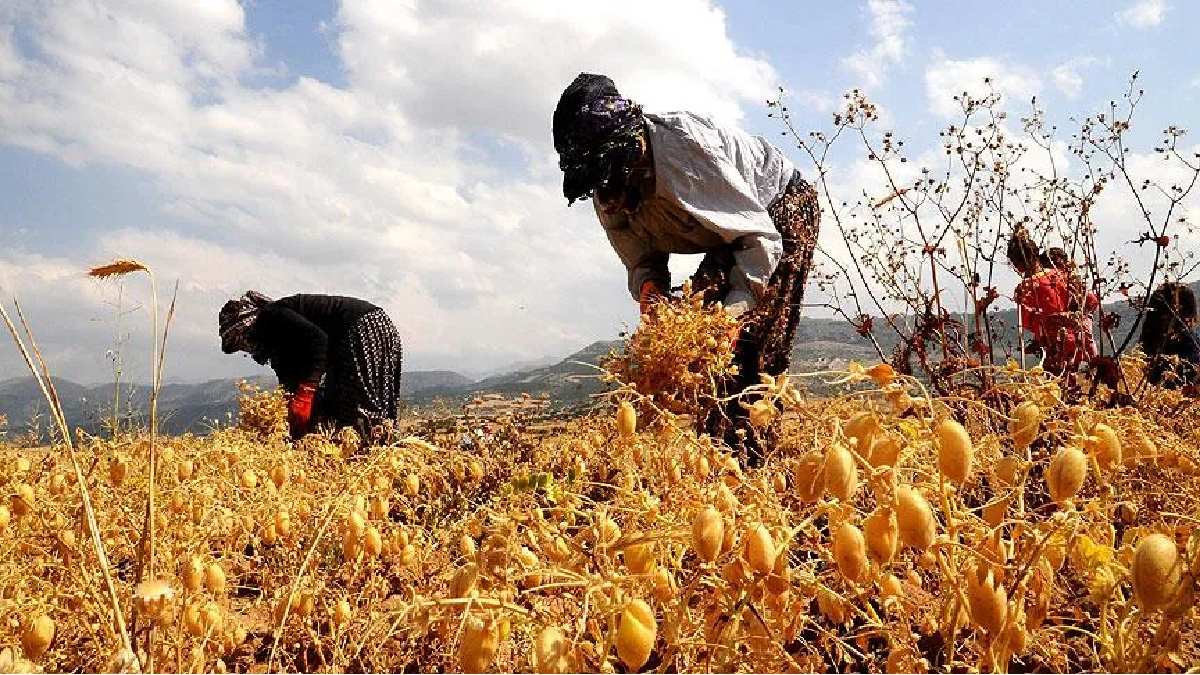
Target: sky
point(399, 150)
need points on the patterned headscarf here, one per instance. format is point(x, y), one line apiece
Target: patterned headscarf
point(237, 319)
point(597, 134)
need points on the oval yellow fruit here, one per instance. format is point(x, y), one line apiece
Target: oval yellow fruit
point(956, 454)
point(708, 532)
point(635, 634)
point(1066, 474)
point(918, 528)
point(1157, 571)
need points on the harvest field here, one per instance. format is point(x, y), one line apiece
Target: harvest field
point(882, 535)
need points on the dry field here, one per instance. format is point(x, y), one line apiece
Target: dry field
point(882, 535)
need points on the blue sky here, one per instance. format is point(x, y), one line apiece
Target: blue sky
point(399, 151)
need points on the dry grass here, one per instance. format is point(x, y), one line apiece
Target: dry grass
point(533, 552)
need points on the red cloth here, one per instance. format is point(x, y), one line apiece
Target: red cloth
point(649, 292)
point(300, 408)
point(1066, 336)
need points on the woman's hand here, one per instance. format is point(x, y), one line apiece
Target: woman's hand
point(649, 293)
point(300, 409)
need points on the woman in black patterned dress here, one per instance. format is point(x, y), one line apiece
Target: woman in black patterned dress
point(337, 357)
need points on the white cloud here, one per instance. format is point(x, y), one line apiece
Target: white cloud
point(384, 188)
point(1143, 14)
point(1067, 78)
point(889, 29)
point(946, 78)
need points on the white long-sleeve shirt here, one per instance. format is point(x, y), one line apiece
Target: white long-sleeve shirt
point(712, 187)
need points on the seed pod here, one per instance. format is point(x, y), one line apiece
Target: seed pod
point(283, 523)
point(640, 558)
point(1006, 469)
point(664, 585)
point(955, 451)
point(37, 636)
point(995, 510)
point(192, 622)
point(1157, 571)
point(480, 640)
point(850, 552)
point(762, 413)
point(809, 477)
point(341, 613)
point(412, 485)
point(552, 652)
point(22, 500)
point(760, 549)
point(708, 533)
point(862, 429)
point(890, 586)
point(1143, 448)
point(192, 574)
point(248, 479)
point(626, 419)
point(185, 470)
point(841, 473)
point(214, 579)
point(372, 542)
point(1105, 446)
point(918, 528)
point(635, 634)
point(701, 468)
point(464, 580)
point(885, 451)
point(1024, 425)
point(475, 470)
point(882, 533)
point(5, 516)
point(279, 475)
point(356, 525)
point(986, 600)
point(1066, 473)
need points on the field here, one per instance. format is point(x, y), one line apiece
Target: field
point(882, 535)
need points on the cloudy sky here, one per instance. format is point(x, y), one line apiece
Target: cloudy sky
point(399, 150)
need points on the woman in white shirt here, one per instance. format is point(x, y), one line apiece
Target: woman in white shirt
point(684, 183)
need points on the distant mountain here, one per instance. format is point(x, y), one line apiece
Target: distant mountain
point(423, 380)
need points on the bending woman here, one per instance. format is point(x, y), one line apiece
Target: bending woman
point(683, 183)
point(338, 358)
point(1169, 338)
point(1059, 321)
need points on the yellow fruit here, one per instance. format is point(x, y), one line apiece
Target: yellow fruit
point(283, 523)
point(1006, 470)
point(192, 574)
point(635, 634)
point(552, 652)
point(882, 533)
point(58, 484)
point(412, 485)
point(986, 600)
point(480, 640)
point(464, 580)
point(841, 473)
point(279, 475)
point(760, 549)
point(885, 451)
point(890, 586)
point(1157, 571)
point(22, 500)
point(372, 542)
point(664, 585)
point(850, 552)
point(356, 525)
point(341, 613)
point(1143, 448)
point(214, 579)
point(708, 532)
point(862, 429)
point(626, 419)
point(762, 412)
point(918, 528)
point(1024, 425)
point(809, 477)
point(1066, 473)
point(36, 637)
point(192, 621)
point(248, 479)
point(1106, 447)
point(955, 451)
point(5, 516)
point(475, 470)
point(185, 470)
point(640, 558)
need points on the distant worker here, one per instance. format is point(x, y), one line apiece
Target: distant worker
point(338, 358)
point(1050, 309)
point(684, 183)
point(1169, 337)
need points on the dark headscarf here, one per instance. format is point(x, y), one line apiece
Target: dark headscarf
point(1170, 312)
point(237, 319)
point(597, 135)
